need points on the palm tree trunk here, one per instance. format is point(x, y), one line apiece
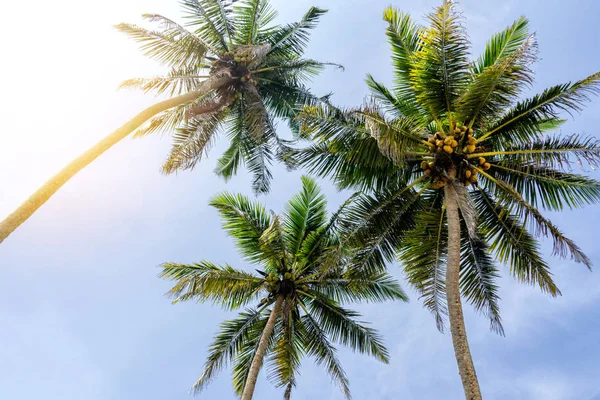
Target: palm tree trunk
point(43, 194)
point(261, 351)
point(457, 322)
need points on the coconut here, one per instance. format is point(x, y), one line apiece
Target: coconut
point(448, 149)
point(237, 59)
point(439, 143)
point(481, 160)
point(428, 172)
point(473, 178)
point(431, 140)
point(287, 275)
point(470, 131)
point(431, 164)
point(487, 166)
point(457, 131)
point(448, 141)
point(468, 174)
point(454, 144)
point(463, 128)
point(304, 288)
point(424, 164)
point(470, 148)
point(472, 140)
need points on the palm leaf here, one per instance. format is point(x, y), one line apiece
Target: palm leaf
point(203, 281)
point(440, 66)
point(231, 338)
point(304, 213)
point(478, 276)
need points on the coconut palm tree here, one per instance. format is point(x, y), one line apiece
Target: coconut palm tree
point(233, 71)
point(294, 302)
point(458, 168)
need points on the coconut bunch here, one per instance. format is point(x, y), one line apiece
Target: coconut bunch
point(451, 148)
point(281, 283)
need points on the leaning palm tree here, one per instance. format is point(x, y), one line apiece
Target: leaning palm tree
point(458, 168)
point(234, 70)
point(296, 310)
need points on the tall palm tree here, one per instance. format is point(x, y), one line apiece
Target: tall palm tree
point(235, 71)
point(459, 168)
point(299, 313)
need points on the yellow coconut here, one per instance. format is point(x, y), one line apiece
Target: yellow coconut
point(473, 178)
point(439, 143)
point(457, 131)
point(448, 141)
point(454, 144)
point(431, 164)
point(481, 160)
point(487, 166)
point(467, 174)
point(472, 140)
point(470, 131)
point(448, 149)
point(424, 164)
point(428, 172)
point(470, 148)
point(463, 128)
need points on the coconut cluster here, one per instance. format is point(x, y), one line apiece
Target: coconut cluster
point(281, 284)
point(240, 58)
point(451, 150)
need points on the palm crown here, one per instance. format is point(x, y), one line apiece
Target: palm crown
point(248, 73)
point(292, 284)
point(452, 135)
point(448, 121)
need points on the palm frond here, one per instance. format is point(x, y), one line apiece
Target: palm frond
point(284, 356)
point(304, 213)
point(178, 81)
point(404, 36)
point(503, 44)
point(192, 141)
point(548, 188)
point(338, 323)
point(317, 345)
point(423, 253)
point(499, 84)
point(440, 67)
point(551, 152)
point(230, 339)
point(562, 246)
point(478, 276)
point(251, 17)
point(512, 244)
point(292, 39)
point(364, 286)
point(566, 97)
point(211, 19)
point(202, 281)
point(245, 221)
point(169, 46)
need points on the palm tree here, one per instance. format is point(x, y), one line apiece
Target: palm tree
point(234, 71)
point(299, 313)
point(459, 169)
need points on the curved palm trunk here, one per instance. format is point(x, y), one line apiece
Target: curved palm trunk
point(457, 322)
point(261, 351)
point(43, 194)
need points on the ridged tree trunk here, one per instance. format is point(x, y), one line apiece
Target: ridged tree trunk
point(261, 351)
point(43, 194)
point(455, 313)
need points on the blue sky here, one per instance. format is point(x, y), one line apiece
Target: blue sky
point(83, 313)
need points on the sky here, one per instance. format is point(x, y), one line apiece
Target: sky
point(83, 312)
